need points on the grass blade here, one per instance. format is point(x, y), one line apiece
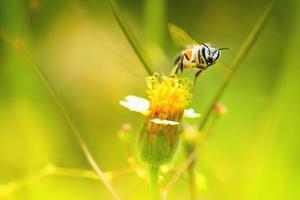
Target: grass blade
point(246, 47)
point(19, 46)
point(140, 52)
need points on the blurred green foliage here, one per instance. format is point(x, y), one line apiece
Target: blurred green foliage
point(254, 151)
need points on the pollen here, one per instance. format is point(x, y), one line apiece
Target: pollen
point(168, 96)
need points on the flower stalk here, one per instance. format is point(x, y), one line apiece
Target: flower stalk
point(191, 141)
point(154, 174)
point(192, 176)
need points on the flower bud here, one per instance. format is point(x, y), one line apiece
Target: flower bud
point(124, 132)
point(157, 148)
point(191, 136)
point(220, 109)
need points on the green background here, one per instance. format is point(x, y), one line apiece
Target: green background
point(254, 152)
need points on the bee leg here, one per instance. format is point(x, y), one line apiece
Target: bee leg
point(177, 59)
point(178, 65)
point(198, 73)
point(181, 66)
point(195, 79)
point(174, 71)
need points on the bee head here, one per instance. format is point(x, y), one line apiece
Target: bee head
point(211, 54)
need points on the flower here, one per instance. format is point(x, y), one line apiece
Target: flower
point(168, 98)
point(141, 105)
point(163, 122)
point(190, 113)
point(136, 104)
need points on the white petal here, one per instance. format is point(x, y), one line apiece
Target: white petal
point(190, 113)
point(163, 122)
point(136, 104)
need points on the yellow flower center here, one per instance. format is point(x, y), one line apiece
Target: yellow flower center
point(168, 97)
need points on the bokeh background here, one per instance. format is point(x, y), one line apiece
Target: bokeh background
point(254, 152)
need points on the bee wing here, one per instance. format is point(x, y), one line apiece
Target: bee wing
point(180, 37)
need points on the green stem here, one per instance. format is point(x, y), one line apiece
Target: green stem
point(192, 177)
point(154, 173)
point(192, 173)
point(241, 55)
point(133, 41)
point(20, 48)
point(155, 24)
point(52, 170)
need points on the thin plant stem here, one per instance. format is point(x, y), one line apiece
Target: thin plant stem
point(53, 170)
point(19, 46)
point(212, 126)
point(13, 186)
point(132, 190)
point(192, 174)
point(192, 179)
point(154, 173)
point(183, 167)
point(130, 36)
point(33, 6)
point(155, 24)
point(241, 55)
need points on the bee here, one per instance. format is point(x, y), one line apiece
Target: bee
point(199, 56)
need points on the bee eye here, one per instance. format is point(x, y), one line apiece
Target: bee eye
point(204, 52)
point(216, 55)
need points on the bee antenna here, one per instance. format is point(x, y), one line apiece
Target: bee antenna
point(204, 45)
point(226, 48)
point(220, 49)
